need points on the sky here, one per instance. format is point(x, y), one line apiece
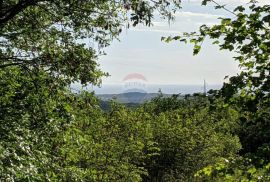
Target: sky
point(140, 50)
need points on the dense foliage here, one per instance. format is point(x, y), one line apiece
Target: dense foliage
point(247, 34)
point(53, 134)
point(66, 36)
point(48, 133)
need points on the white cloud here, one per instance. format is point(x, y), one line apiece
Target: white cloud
point(230, 1)
point(242, 1)
point(207, 24)
point(155, 29)
point(185, 21)
point(194, 14)
point(160, 24)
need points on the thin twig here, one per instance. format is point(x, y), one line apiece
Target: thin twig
point(226, 9)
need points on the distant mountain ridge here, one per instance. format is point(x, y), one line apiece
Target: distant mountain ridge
point(150, 88)
point(130, 97)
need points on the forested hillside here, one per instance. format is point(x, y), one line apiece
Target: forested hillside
point(48, 133)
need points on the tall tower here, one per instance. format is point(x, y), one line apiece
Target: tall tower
point(204, 87)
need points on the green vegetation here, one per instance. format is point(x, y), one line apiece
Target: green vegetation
point(48, 133)
point(247, 34)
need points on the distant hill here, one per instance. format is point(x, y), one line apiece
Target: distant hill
point(130, 97)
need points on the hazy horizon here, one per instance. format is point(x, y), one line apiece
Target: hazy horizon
point(150, 88)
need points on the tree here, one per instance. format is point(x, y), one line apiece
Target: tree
point(191, 134)
point(61, 36)
point(44, 46)
point(110, 146)
point(247, 34)
point(33, 110)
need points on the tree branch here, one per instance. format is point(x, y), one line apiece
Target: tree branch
point(226, 9)
point(14, 10)
point(9, 64)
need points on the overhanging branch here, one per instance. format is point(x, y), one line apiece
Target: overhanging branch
point(9, 64)
point(14, 10)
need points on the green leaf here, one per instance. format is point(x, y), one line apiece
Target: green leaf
point(196, 49)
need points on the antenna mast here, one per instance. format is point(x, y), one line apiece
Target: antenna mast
point(204, 87)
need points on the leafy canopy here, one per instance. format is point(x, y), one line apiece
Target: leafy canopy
point(66, 36)
point(247, 33)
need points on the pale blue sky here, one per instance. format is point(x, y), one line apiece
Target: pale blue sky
point(140, 50)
